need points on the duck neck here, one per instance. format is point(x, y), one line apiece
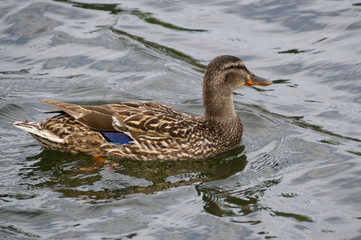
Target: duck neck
point(218, 105)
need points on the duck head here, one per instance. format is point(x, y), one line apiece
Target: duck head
point(223, 75)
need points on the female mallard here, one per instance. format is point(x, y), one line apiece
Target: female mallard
point(151, 131)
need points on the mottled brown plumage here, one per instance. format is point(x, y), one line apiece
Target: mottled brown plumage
point(156, 131)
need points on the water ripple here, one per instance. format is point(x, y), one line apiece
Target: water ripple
point(295, 174)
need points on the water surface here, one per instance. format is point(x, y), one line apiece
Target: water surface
point(296, 173)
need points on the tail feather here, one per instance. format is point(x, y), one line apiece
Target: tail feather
point(34, 128)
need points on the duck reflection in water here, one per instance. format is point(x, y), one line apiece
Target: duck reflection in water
point(60, 171)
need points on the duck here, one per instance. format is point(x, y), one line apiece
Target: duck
point(152, 131)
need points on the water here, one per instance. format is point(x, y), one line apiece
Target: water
point(295, 175)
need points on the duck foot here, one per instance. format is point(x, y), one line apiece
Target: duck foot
point(99, 162)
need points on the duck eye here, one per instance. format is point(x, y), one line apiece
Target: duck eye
point(241, 67)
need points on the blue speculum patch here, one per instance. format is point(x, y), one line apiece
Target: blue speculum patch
point(116, 137)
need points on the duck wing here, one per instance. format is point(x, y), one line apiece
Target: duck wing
point(95, 117)
point(134, 118)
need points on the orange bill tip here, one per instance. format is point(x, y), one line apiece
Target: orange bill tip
point(255, 80)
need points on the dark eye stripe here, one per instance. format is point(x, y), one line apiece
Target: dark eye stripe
point(236, 67)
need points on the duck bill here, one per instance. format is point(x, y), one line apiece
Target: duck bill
point(255, 80)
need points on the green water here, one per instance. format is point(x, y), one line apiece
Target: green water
point(296, 173)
